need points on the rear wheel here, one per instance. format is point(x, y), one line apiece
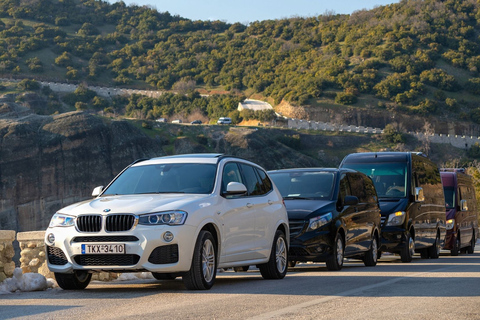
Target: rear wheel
point(203, 271)
point(335, 260)
point(406, 255)
point(370, 258)
point(456, 246)
point(78, 280)
point(276, 267)
point(434, 250)
point(471, 248)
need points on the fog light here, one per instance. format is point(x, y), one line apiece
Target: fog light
point(168, 236)
point(51, 238)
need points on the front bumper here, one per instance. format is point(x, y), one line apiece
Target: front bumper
point(313, 246)
point(149, 252)
point(392, 239)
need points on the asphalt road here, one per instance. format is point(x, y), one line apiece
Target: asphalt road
point(444, 288)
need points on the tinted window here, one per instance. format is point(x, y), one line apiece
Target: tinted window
point(305, 184)
point(265, 181)
point(389, 178)
point(428, 178)
point(252, 182)
point(449, 197)
point(165, 178)
point(357, 186)
point(231, 173)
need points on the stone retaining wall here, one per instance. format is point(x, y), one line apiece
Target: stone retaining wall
point(6, 254)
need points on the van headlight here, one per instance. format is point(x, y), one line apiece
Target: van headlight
point(61, 220)
point(170, 218)
point(396, 219)
point(450, 224)
point(319, 221)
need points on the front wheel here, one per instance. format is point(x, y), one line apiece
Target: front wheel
point(78, 280)
point(203, 271)
point(276, 267)
point(434, 250)
point(471, 248)
point(335, 260)
point(406, 255)
point(370, 257)
point(456, 246)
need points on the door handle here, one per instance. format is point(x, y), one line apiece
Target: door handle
point(249, 205)
point(270, 202)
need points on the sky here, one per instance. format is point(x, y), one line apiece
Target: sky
point(246, 11)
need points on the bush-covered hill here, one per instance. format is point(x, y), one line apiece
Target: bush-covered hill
point(415, 57)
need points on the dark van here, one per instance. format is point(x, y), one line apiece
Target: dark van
point(462, 214)
point(332, 213)
point(411, 199)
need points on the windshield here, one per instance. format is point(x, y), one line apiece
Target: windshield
point(449, 197)
point(165, 178)
point(389, 178)
point(305, 184)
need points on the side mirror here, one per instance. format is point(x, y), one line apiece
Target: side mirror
point(96, 192)
point(463, 205)
point(350, 200)
point(235, 188)
point(419, 197)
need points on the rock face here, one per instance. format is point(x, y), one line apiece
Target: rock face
point(48, 162)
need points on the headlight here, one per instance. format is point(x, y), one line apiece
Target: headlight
point(61, 220)
point(450, 224)
point(169, 218)
point(396, 219)
point(319, 221)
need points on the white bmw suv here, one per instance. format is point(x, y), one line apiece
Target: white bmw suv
point(184, 215)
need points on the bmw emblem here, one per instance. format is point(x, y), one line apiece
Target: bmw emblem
point(106, 210)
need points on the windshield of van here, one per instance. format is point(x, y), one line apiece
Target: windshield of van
point(449, 197)
point(305, 184)
point(165, 178)
point(389, 178)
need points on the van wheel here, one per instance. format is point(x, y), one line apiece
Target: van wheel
point(276, 267)
point(335, 260)
point(456, 246)
point(201, 275)
point(471, 248)
point(406, 255)
point(78, 280)
point(434, 250)
point(370, 257)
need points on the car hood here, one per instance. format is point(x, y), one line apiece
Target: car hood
point(136, 204)
point(305, 209)
point(391, 205)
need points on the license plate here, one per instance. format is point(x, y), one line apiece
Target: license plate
point(103, 248)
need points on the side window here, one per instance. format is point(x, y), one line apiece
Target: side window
point(265, 180)
point(252, 182)
point(344, 189)
point(370, 190)
point(358, 187)
point(231, 173)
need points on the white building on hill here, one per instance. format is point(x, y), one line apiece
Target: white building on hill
point(255, 105)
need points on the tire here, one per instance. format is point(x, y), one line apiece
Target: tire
point(434, 250)
point(164, 276)
point(471, 247)
point(203, 270)
point(406, 255)
point(276, 267)
point(456, 246)
point(370, 257)
point(241, 269)
point(78, 280)
point(335, 260)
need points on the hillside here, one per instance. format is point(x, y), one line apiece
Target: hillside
point(411, 59)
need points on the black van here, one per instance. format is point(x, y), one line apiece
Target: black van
point(462, 214)
point(332, 213)
point(411, 199)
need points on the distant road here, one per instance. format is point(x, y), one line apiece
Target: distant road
point(445, 288)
